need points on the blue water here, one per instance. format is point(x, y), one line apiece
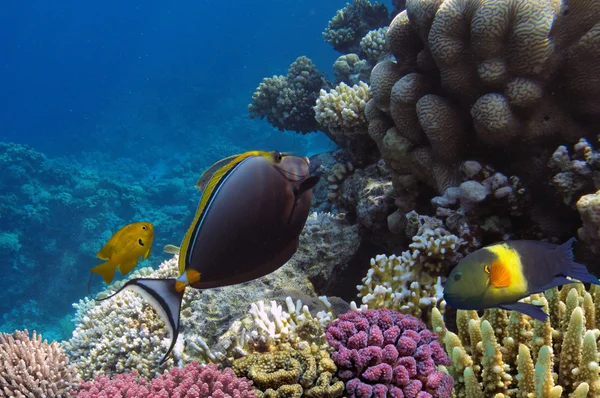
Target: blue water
point(122, 105)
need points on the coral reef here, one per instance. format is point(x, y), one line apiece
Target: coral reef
point(287, 101)
point(508, 354)
point(192, 381)
point(31, 367)
point(385, 353)
point(464, 86)
point(352, 23)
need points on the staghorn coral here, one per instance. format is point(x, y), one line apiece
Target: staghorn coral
point(373, 47)
point(508, 354)
point(30, 367)
point(350, 24)
point(385, 353)
point(287, 101)
point(192, 381)
point(291, 372)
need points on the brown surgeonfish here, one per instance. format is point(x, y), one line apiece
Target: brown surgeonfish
point(247, 225)
point(501, 274)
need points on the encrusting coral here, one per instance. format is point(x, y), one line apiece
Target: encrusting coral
point(30, 367)
point(289, 372)
point(383, 353)
point(508, 354)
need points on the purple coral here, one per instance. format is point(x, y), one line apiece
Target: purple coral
point(384, 353)
point(192, 381)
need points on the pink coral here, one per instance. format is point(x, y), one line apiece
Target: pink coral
point(120, 386)
point(384, 353)
point(192, 381)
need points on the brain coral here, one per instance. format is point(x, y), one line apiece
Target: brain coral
point(383, 353)
point(287, 101)
point(499, 73)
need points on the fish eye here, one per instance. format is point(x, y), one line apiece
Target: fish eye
point(457, 276)
point(143, 227)
point(278, 156)
point(486, 268)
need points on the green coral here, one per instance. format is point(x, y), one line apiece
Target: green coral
point(508, 354)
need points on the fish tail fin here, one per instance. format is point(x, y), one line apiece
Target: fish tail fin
point(571, 267)
point(106, 270)
point(163, 297)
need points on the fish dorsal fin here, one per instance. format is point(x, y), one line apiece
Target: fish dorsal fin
point(500, 275)
point(207, 194)
point(208, 173)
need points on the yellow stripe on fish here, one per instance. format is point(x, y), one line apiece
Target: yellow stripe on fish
point(209, 190)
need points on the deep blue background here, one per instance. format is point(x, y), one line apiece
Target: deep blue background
point(66, 64)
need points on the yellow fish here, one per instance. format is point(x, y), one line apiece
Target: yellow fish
point(124, 249)
point(501, 274)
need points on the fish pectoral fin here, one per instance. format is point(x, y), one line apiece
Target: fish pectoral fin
point(307, 185)
point(533, 311)
point(106, 270)
point(128, 266)
point(171, 249)
point(148, 253)
point(500, 275)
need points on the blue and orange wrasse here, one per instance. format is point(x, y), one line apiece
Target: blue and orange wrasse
point(247, 225)
point(501, 274)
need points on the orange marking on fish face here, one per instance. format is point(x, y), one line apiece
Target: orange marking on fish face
point(500, 275)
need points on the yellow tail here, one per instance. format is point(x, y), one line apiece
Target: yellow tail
point(106, 270)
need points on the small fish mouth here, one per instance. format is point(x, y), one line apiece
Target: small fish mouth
point(141, 242)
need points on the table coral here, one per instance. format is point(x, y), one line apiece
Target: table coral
point(291, 372)
point(31, 367)
point(287, 101)
point(385, 353)
point(508, 354)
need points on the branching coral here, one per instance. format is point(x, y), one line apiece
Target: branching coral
point(406, 282)
point(342, 110)
point(287, 101)
point(507, 354)
point(383, 353)
point(192, 381)
point(373, 47)
point(351, 70)
point(30, 367)
point(352, 23)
